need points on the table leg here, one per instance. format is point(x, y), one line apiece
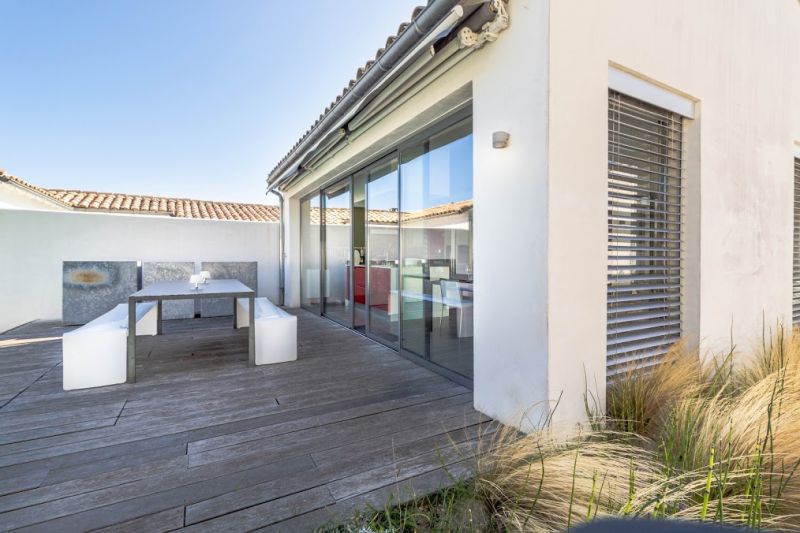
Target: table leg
point(131, 341)
point(251, 333)
point(159, 317)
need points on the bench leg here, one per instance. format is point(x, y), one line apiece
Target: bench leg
point(235, 315)
point(158, 317)
point(131, 341)
point(251, 334)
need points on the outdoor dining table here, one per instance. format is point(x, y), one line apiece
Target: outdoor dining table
point(184, 290)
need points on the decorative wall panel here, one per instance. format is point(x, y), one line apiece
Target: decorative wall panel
point(91, 288)
point(244, 271)
point(170, 271)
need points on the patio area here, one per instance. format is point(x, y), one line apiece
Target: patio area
point(203, 441)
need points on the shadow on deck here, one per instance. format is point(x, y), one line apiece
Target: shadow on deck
point(202, 440)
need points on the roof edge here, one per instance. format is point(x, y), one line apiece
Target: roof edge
point(386, 59)
point(207, 209)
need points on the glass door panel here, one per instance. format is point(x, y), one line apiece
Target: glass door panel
point(382, 251)
point(337, 301)
point(309, 254)
point(436, 221)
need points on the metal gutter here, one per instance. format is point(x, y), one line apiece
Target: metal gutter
point(281, 252)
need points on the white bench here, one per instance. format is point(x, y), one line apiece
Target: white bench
point(95, 354)
point(276, 330)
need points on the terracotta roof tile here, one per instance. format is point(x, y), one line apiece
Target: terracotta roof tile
point(341, 216)
point(151, 205)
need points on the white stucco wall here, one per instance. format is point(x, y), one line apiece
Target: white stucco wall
point(33, 245)
point(510, 236)
point(740, 60)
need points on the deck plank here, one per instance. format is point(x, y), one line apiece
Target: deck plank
point(201, 440)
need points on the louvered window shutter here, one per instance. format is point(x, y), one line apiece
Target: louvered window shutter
point(796, 247)
point(644, 232)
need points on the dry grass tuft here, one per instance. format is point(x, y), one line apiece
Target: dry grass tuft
point(715, 441)
point(540, 482)
point(640, 399)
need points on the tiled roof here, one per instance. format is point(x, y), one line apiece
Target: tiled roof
point(359, 74)
point(341, 216)
point(151, 205)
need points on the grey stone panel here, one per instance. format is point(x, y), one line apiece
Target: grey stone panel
point(91, 288)
point(244, 271)
point(175, 271)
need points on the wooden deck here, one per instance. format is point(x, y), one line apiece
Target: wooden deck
point(204, 442)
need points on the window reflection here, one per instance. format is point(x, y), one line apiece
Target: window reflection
point(436, 235)
point(337, 301)
point(382, 250)
point(310, 253)
point(397, 250)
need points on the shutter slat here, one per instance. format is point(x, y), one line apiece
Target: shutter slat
point(654, 341)
point(617, 334)
point(637, 317)
point(647, 277)
point(619, 310)
point(640, 297)
point(622, 169)
point(616, 289)
point(643, 359)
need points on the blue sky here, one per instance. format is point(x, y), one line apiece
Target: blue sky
point(189, 98)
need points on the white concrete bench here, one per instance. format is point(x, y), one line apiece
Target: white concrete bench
point(276, 330)
point(95, 354)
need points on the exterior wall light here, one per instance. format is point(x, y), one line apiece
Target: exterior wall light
point(500, 139)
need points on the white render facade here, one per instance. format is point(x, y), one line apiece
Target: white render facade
point(729, 72)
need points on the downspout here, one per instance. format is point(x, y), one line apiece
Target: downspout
point(281, 252)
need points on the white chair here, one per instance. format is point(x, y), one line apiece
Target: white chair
point(276, 330)
point(452, 297)
point(96, 354)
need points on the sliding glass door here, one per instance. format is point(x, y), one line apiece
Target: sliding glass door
point(388, 249)
point(310, 253)
point(383, 254)
point(337, 302)
point(436, 238)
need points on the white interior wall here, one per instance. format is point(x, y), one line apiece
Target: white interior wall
point(738, 59)
point(33, 245)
